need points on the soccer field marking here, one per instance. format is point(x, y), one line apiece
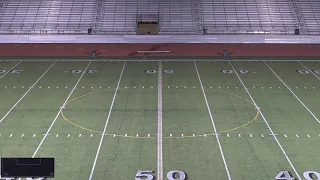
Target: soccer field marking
point(293, 93)
point(10, 69)
point(309, 70)
point(106, 124)
point(60, 109)
point(159, 137)
point(26, 92)
point(95, 131)
point(266, 122)
point(213, 124)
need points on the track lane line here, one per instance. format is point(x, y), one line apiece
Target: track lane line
point(293, 93)
point(26, 92)
point(213, 124)
point(160, 159)
point(10, 69)
point(309, 70)
point(266, 122)
point(49, 129)
point(106, 124)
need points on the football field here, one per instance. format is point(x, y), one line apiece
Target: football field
point(164, 120)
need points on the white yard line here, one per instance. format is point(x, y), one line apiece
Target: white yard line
point(159, 160)
point(273, 134)
point(106, 124)
point(26, 93)
point(47, 133)
point(293, 93)
point(309, 70)
point(213, 124)
point(10, 69)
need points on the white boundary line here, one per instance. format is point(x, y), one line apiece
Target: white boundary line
point(293, 93)
point(47, 133)
point(26, 92)
point(213, 124)
point(153, 60)
point(10, 69)
point(106, 124)
point(272, 133)
point(160, 160)
point(309, 70)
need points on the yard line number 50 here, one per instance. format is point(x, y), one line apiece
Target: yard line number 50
point(308, 175)
point(171, 175)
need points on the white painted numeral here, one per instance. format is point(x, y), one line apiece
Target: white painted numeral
point(226, 71)
point(144, 174)
point(284, 175)
point(91, 71)
point(303, 71)
point(76, 71)
point(243, 71)
point(16, 71)
point(151, 71)
point(168, 71)
point(310, 174)
point(317, 71)
point(171, 175)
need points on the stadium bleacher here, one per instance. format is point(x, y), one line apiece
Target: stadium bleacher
point(173, 16)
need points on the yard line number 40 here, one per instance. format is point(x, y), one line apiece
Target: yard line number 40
point(308, 175)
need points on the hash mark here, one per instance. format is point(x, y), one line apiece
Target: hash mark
point(22, 135)
point(82, 87)
point(48, 86)
point(134, 87)
point(313, 87)
point(176, 86)
point(91, 135)
point(262, 135)
point(137, 135)
point(22, 86)
point(14, 87)
point(253, 87)
point(11, 135)
point(57, 87)
point(239, 135)
point(262, 87)
point(91, 87)
point(182, 135)
point(236, 87)
point(34, 135)
point(108, 87)
point(79, 135)
point(170, 135)
point(285, 135)
point(65, 87)
point(100, 87)
point(40, 87)
point(142, 86)
point(305, 87)
point(193, 135)
point(125, 135)
point(151, 86)
point(114, 135)
point(5, 87)
point(228, 135)
point(308, 135)
point(57, 135)
point(228, 87)
point(270, 87)
point(148, 135)
point(210, 87)
point(297, 135)
point(68, 135)
point(126, 87)
point(250, 135)
point(219, 87)
point(205, 135)
point(296, 87)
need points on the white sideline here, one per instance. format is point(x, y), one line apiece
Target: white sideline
point(159, 160)
point(105, 126)
point(26, 93)
point(272, 133)
point(213, 124)
point(309, 70)
point(293, 93)
point(47, 133)
point(10, 69)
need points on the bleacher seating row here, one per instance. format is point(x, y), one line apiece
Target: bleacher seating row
point(174, 16)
